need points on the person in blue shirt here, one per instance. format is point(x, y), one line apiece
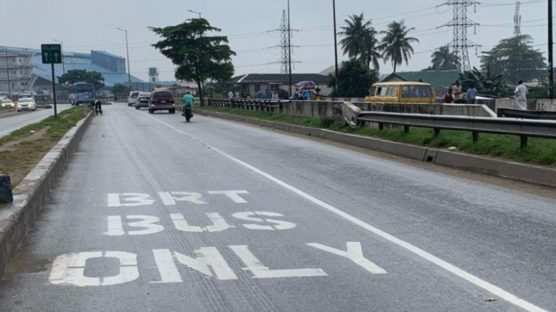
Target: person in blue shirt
point(471, 95)
point(187, 106)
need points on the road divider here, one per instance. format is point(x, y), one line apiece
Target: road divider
point(496, 167)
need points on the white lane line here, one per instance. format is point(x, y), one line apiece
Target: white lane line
point(493, 289)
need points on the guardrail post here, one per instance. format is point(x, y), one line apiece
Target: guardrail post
point(405, 129)
point(380, 126)
point(436, 132)
point(475, 136)
point(523, 139)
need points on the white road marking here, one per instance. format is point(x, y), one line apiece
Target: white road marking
point(69, 269)
point(170, 198)
point(233, 195)
point(261, 271)
point(148, 223)
point(354, 253)
point(493, 289)
point(208, 257)
point(129, 200)
point(251, 216)
point(219, 224)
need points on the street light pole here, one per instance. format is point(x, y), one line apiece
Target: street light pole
point(63, 63)
point(289, 50)
point(8, 75)
point(335, 46)
point(127, 53)
point(550, 53)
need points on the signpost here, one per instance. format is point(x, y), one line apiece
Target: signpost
point(52, 54)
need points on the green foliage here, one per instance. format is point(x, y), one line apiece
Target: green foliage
point(486, 84)
point(354, 79)
point(360, 41)
point(515, 59)
point(396, 45)
point(444, 59)
point(198, 55)
point(121, 89)
point(79, 75)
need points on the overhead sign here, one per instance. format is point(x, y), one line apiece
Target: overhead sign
point(51, 53)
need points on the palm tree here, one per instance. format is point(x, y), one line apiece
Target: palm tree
point(360, 40)
point(444, 59)
point(396, 45)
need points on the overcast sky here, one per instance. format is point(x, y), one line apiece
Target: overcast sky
point(250, 26)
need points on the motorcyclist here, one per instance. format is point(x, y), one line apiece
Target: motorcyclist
point(187, 106)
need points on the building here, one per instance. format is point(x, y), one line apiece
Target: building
point(250, 84)
point(15, 72)
point(27, 73)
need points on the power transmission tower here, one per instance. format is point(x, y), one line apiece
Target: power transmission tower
point(517, 19)
point(284, 32)
point(460, 23)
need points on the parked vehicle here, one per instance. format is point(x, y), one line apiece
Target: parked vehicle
point(162, 100)
point(82, 93)
point(401, 92)
point(132, 99)
point(26, 103)
point(143, 100)
point(7, 103)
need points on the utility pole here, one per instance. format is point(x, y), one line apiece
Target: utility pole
point(127, 53)
point(335, 46)
point(289, 50)
point(195, 12)
point(550, 53)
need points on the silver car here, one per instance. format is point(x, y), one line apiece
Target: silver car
point(26, 103)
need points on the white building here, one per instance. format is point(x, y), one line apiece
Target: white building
point(16, 72)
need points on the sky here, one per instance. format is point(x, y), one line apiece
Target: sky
point(252, 28)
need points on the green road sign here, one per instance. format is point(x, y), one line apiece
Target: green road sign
point(51, 53)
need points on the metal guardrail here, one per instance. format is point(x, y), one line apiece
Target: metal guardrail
point(475, 125)
point(250, 104)
point(508, 112)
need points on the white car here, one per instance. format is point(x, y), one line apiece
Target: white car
point(7, 103)
point(26, 103)
point(132, 99)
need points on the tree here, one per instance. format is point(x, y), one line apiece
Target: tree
point(199, 57)
point(486, 84)
point(396, 45)
point(79, 75)
point(121, 89)
point(444, 59)
point(515, 59)
point(360, 41)
point(354, 79)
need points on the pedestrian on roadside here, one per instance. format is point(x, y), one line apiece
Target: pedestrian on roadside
point(520, 93)
point(458, 92)
point(472, 95)
point(306, 95)
point(98, 108)
point(449, 97)
point(188, 106)
point(230, 95)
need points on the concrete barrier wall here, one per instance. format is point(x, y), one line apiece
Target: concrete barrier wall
point(543, 105)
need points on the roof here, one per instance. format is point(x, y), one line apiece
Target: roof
point(403, 83)
point(279, 78)
point(437, 78)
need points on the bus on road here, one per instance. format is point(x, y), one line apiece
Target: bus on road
point(82, 93)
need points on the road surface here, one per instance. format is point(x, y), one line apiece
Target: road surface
point(154, 214)
point(24, 118)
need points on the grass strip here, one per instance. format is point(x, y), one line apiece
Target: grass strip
point(538, 151)
point(21, 150)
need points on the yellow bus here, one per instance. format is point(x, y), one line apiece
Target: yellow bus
point(401, 92)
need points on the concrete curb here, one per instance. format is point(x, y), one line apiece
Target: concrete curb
point(491, 166)
point(30, 195)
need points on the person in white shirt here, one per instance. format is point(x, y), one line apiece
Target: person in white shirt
point(521, 96)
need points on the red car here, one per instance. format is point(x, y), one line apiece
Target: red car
point(162, 100)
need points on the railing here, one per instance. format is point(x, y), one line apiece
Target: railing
point(508, 112)
point(250, 104)
point(475, 125)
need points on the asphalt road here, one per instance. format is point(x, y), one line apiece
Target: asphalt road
point(154, 214)
point(24, 118)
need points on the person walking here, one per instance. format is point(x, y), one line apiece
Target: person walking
point(449, 97)
point(520, 93)
point(458, 92)
point(188, 106)
point(98, 108)
point(472, 95)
